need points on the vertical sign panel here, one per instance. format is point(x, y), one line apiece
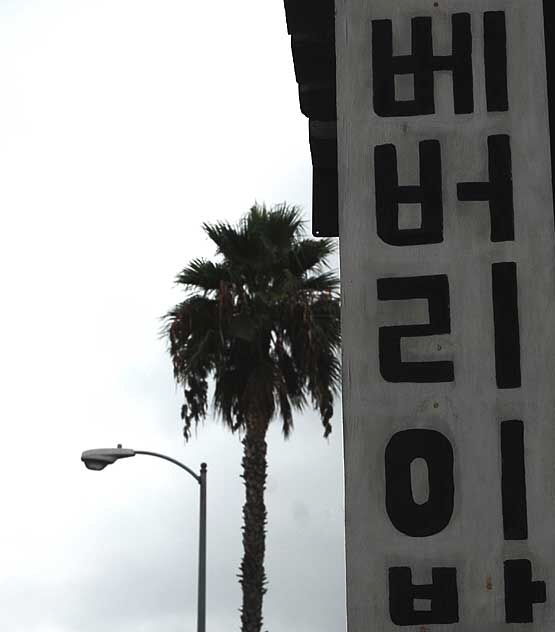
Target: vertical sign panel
point(448, 279)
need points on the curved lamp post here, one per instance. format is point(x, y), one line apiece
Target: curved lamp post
point(99, 459)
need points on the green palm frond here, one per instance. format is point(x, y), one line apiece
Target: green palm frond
point(310, 253)
point(239, 247)
point(204, 275)
point(324, 282)
point(277, 228)
point(195, 341)
point(263, 322)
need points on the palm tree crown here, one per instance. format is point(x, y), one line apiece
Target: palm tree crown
point(263, 321)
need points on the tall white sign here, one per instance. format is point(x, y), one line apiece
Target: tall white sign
point(448, 274)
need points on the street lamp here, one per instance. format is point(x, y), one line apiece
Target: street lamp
point(100, 458)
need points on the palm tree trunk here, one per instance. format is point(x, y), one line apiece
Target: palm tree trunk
point(252, 577)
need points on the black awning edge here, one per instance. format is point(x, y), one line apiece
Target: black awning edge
point(311, 24)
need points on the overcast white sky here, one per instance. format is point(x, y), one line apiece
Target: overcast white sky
point(125, 124)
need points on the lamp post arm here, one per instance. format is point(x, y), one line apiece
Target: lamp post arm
point(168, 458)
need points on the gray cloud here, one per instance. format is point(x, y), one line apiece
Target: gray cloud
point(124, 129)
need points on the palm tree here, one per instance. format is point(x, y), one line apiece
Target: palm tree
point(264, 322)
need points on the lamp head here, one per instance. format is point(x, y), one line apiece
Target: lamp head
point(98, 459)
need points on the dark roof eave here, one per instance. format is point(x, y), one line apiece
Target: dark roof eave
point(311, 24)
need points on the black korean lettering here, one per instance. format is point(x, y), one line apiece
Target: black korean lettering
point(409, 517)
point(428, 195)
point(441, 593)
point(521, 593)
point(506, 325)
point(435, 288)
point(498, 191)
point(421, 64)
point(495, 61)
point(513, 481)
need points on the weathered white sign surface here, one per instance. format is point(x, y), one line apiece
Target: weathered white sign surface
point(447, 266)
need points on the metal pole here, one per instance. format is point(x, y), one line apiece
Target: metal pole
point(201, 618)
